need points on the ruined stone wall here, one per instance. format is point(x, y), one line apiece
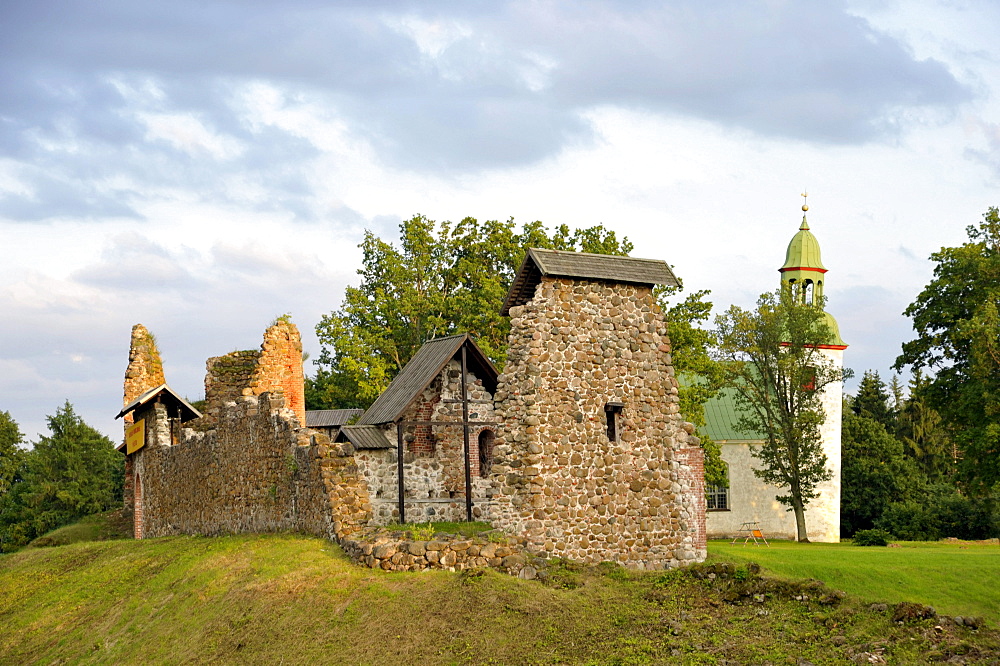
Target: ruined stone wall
point(277, 367)
point(427, 500)
point(562, 483)
point(257, 472)
point(452, 553)
point(227, 379)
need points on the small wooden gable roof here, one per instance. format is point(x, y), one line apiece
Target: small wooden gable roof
point(605, 267)
point(365, 437)
point(417, 375)
point(328, 418)
point(165, 394)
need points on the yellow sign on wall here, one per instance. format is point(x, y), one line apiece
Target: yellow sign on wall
point(135, 437)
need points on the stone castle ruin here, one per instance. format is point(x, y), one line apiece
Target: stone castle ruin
point(577, 449)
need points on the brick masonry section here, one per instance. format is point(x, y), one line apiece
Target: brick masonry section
point(693, 472)
point(276, 367)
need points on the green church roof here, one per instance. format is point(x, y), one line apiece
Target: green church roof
point(803, 250)
point(834, 340)
point(721, 415)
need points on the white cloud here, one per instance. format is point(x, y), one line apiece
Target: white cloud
point(188, 134)
point(432, 37)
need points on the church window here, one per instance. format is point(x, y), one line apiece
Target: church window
point(717, 497)
point(809, 379)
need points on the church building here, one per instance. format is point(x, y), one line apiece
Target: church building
point(748, 499)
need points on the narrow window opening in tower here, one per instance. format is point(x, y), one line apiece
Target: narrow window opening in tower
point(611, 411)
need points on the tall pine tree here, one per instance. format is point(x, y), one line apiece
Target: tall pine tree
point(873, 401)
point(73, 472)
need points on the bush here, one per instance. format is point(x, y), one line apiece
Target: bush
point(908, 521)
point(958, 516)
point(944, 513)
point(875, 537)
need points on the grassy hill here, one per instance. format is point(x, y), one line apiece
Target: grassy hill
point(292, 599)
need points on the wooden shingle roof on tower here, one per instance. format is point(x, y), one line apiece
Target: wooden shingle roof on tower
point(583, 265)
point(421, 370)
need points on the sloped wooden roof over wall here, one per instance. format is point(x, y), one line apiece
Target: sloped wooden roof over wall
point(365, 437)
point(417, 375)
point(583, 265)
point(327, 418)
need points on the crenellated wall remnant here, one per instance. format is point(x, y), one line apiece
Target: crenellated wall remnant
point(276, 367)
point(249, 465)
point(257, 471)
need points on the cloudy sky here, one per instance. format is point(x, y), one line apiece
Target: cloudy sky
point(202, 167)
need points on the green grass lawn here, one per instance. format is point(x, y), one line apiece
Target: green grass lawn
point(291, 599)
point(954, 578)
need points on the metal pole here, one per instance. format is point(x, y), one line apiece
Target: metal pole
point(465, 442)
point(399, 467)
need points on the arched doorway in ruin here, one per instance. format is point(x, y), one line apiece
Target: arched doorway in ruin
point(486, 438)
point(137, 513)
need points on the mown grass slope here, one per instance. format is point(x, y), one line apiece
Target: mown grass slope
point(295, 600)
point(956, 578)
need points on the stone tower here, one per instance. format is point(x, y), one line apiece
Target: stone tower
point(804, 275)
point(596, 462)
point(145, 369)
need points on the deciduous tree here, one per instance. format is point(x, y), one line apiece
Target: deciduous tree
point(445, 278)
point(772, 357)
point(958, 337)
